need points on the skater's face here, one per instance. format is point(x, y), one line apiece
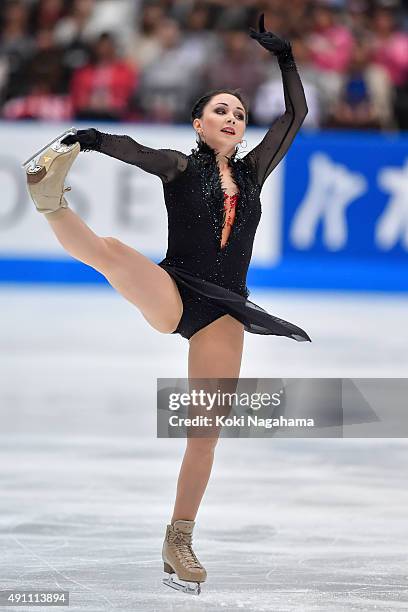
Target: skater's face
point(222, 125)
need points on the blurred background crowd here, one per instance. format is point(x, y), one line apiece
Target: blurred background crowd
point(149, 60)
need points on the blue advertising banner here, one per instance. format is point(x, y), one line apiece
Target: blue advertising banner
point(345, 213)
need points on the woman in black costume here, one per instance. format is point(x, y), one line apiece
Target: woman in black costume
point(199, 289)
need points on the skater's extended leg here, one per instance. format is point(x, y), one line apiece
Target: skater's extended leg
point(137, 278)
point(215, 353)
point(78, 239)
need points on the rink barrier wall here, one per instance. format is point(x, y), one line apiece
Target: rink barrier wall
point(335, 210)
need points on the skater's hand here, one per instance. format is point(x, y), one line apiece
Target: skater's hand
point(89, 140)
point(269, 41)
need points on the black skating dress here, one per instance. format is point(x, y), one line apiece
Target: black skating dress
point(212, 279)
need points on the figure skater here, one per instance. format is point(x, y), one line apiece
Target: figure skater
point(199, 289)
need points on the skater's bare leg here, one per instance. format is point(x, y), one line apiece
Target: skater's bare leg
point(78, 239)
point(137, 278)
point(215, 352)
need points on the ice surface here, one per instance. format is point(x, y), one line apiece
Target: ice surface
point(87, 488)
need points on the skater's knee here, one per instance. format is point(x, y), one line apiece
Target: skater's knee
point(202, 446)
point(112, 244)
point(101, 254)
point(112, 251)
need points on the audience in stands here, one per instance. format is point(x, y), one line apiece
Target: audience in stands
point(148, 60)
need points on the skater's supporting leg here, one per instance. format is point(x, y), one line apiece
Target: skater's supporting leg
point(215, 352)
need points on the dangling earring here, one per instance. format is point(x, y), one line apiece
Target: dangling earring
point(243, 146)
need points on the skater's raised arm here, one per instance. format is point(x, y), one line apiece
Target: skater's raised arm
point(165, 163)
point(269, 152)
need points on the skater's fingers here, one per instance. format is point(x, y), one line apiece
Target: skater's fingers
point(89, 140)
point(69, 140)
point(254, 34)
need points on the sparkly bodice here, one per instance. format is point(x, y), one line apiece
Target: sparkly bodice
point(211, 234)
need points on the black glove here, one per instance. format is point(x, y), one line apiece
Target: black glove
point(273, 43)
point(89, 140)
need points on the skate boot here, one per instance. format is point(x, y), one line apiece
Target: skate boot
point(45, 179)
point(185, 572)
point(31, 160)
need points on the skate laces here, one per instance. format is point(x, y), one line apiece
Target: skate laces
point(184, 550)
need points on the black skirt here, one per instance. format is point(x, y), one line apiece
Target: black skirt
point(205, 302)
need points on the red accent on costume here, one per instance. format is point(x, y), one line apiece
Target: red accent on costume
point(230, 203)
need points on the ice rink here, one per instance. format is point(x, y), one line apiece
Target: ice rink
point(87, 488)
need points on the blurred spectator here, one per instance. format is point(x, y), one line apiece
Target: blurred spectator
point(297, 19)
point(366, 95)
point(75, 26)
point(183, 47)
point(116, 17)
point(199, 42)
point(234, 67)
point(390, 46)
point(329, 41)
point(40, 103)
point(232, 17)
point(46, 63)
point(73, 35)
point(357, 18)
point(16, 47)
point(46, 14)
point(270, 102)
point(144, 46)
point(169, 83)
point(102, 89)
point(330, 44)
point(44, 84)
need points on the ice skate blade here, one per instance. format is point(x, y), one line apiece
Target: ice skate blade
point(54, 144)
point(191, 588)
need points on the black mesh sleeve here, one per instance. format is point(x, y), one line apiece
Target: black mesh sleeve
point(269, 152)
point(164, 163)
